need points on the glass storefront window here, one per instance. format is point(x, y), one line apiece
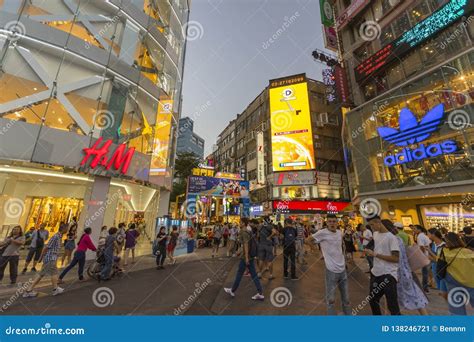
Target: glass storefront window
point(401, 24)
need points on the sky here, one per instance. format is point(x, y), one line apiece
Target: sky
point(230, 58)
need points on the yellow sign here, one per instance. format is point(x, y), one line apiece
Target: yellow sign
point(159, 159)
point(292, 139)
point(227, 175)
point(203, 172)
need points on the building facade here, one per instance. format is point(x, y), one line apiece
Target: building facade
point(409, 136)
point(188, 141)
point(247, 147)
point(88, 110)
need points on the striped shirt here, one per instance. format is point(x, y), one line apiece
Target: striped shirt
point(54, 245)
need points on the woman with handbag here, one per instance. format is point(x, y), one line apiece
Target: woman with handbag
point(10, 253)
point(455, 266)
point(410, 294)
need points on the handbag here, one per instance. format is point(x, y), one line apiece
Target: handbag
point(416, 258)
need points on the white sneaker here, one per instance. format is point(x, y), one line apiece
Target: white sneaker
point(258, 296)
point(58, 290)
point(229, 291)
point(30, 294)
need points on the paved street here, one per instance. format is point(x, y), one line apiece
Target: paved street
point(184, 288)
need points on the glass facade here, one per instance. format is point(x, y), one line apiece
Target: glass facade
point(94, 69)
point(450, 84)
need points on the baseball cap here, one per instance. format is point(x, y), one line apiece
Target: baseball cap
point(399, 225)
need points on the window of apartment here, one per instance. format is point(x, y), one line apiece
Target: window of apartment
point(387, 35)
point(252, 155)
point(363, 52)
point(401, 25)
point(419, 12)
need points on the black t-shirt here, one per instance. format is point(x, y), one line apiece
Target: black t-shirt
point(161, 243)
point(264, 233)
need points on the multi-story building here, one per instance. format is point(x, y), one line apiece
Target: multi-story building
point(188, 141)
point(91, 94)
point(248, 146)
point(410, 135)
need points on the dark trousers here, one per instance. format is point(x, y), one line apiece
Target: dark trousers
point(13, 261)
point(370, 260)
point(380, 286)
point(424, 277)
point(289, 255)
point(160, 258)
point(79, 258)
point(253, 273)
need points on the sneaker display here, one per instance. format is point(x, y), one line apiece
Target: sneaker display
point(258, 296)
point(228, 290)
point(58, 290)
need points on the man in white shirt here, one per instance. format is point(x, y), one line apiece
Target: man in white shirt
point(424, 242)
point(384, 274)
point(367, 244)
point(330, 241)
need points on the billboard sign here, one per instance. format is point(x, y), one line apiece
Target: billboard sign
point(218, 186)
point(354, 8)
point(308, 207)
point(290, 118)
point(327, 16)
point(260, 159)
point(161, 139)
point(294, 178)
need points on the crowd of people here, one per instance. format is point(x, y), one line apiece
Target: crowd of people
point(396, 257)
point(66, 250)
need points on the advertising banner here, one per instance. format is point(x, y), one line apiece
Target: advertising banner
point(330, 38)
point(327, 17)
point(350, 12)
point(342, 86)
point(260, 159)
point(305, 207)
point(292, 139)
point(294, 178)
point(161, 139)
point(217, 186)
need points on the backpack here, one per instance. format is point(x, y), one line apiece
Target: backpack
point(39, 240)
point(253, 246)
point(289, 236)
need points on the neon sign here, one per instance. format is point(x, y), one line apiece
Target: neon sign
point(411, 132)
point(418, 34)
point(120, 159)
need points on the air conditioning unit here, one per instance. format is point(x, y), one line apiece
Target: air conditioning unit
point(323, 117)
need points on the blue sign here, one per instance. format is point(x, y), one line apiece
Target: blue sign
point(217, 186)
point(411, 132)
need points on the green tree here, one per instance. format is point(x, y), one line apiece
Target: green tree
point(183, 167)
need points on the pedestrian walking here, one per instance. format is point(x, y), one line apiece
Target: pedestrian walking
point(468, 237)
point(225, 234)
point(38, 239)
point(173, 241)
point(265, 248)
point(217, 236)
point(247, 260)
point(410, 294)
point(424, 242)
point(160, 248)
point(49, 256)
point(348, 242)
point(10, 253)
point(70, 243)
point(289, 249)
point(232, 247)
point(384, 273)
point(330, 240)
point(402, 234)
point(458, 264)
point(368, 244)
point(438, 243)
point(131, 236)
point(111, 250)
point(79, 257)
point(299, 243)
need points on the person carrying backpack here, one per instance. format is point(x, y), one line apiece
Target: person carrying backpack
point(36, 247)
point(248, 239)
point(289, 249)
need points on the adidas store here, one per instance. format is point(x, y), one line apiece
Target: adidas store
point(412, 148)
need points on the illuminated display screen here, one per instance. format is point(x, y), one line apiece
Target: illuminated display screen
point(292, 139)
point(303, 207)
point(418, 34)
